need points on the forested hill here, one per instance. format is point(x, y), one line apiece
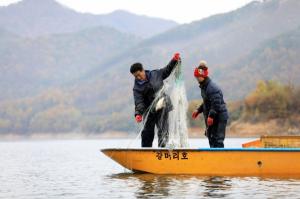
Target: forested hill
point(79, 80)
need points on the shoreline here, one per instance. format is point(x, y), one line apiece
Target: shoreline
point(87, 136)
point(234, 130)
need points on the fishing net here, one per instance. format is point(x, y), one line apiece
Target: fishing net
point(178, 130)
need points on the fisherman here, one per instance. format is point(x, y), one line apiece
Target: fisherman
point(150, 107)
point(213, 107)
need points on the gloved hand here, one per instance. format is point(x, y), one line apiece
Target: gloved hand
point(210, 121)
point(138, 118)
point(195, 114)
point(176, 57)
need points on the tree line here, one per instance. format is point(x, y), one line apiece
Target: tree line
point(56, 111)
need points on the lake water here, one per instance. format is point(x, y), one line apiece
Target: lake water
point(76, 169)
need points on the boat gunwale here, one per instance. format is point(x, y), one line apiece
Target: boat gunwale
point(280, 137)
point(207, 149)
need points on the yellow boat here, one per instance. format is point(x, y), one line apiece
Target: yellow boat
point(274, 142)
point(239, 162)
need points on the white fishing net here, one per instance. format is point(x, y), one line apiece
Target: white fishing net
point(178, 130)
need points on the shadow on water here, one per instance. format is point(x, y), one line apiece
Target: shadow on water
point(151, 185)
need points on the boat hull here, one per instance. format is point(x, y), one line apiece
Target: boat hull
point(240, 162)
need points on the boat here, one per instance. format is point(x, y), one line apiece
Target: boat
point(274, 142)
point(210, 161)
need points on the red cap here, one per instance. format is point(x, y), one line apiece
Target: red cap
point(200, 72)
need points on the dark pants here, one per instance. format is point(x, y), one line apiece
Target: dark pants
point(160, 119)
point(216, 134)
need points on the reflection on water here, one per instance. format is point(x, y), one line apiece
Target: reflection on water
point(76, 169)
point(150, 185)
point(216, 187)
point(186, 186)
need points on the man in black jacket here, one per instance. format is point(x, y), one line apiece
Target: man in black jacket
point(213, 107)
point(146, 87)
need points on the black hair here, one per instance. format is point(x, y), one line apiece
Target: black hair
point(136, 67)
point(202, 67)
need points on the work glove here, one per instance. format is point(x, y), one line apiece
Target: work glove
point(138, 118)
point(176, 57)
point(210, 121)
point(195, 114)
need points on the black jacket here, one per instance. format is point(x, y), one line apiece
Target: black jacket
point(213, 103)
point(144, 91)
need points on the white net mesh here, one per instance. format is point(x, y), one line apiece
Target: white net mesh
point(178, 130)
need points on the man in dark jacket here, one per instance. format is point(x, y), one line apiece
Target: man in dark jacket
point(213, 107)
point(146, 87)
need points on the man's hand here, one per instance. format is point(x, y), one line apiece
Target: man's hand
point(176, 57)
point(138, 118)
point(210, 121)
point(195, 114)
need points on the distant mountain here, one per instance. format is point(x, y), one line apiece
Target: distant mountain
point(44, 17)
point(226, 41)
point(139, 25)
point(80, 81)
point(29, 65)
point(275, 59)
point(222, 40)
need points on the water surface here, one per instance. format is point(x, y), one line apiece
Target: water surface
point(76, 169)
